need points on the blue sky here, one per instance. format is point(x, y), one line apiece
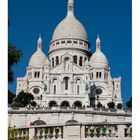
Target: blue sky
point(111, 19)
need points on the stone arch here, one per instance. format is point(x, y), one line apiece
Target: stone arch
point(38, 122)
point(78, 78)
point(52, 104)
point(55, 78)
point(65, 104)
point(77, 104)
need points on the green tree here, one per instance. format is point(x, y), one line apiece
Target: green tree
point(11, 96)
point(14, 55)
point(111, 105)
point(99, 105)
point(129, 103)
point(12, 133)
point(119, 106)
point(22, 99)
point(33, 103)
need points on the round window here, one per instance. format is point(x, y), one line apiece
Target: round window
point(36, 90)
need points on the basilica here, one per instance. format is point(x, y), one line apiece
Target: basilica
point(70, 75)
point(68, 85)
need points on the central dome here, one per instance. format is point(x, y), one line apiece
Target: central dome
point(70, 27)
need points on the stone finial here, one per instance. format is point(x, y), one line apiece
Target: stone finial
point(39, 42)
point(70, 7)
point(98, 43)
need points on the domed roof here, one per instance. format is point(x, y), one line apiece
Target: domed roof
point(70, 27)
point(38, 58)
point(98, 59)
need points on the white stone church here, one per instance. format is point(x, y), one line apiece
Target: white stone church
point(71, 75)
point(68, 85)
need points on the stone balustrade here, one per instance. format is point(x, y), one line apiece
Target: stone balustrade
point(64, 132)
point(69, 108)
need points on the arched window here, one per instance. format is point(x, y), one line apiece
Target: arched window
point(52, 103)
point(78, 89)
point(96, 74)
point(54, 90)
point(38, 74)
point(105, 75)
point(52, 62)
point(65, 104)
point(57, 60)
point(80, 61)
point(75, 59)
point(35, 74)
point(66, 81)
point(100, 74)
point(77, 104)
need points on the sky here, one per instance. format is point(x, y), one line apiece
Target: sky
point(111, 19)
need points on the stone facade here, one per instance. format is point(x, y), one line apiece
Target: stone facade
point(71, 75)
point(67, 87)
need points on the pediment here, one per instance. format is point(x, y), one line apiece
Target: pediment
point(65, 67)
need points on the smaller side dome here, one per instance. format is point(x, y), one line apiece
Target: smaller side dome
point(98, 59)
point(38, 58)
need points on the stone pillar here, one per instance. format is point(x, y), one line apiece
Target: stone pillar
point(121, 131)
point(71, 132)
point(82, 131)
point(31, 133)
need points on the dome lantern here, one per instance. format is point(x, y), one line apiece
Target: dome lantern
point(98, 43)
point(39, 42)
point(70, 7)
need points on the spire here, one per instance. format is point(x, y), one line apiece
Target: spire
point(39, 42)
point(70, 7)
point(98, 43)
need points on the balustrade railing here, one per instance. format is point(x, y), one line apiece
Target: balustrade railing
point(68, 108)
point(92, 132)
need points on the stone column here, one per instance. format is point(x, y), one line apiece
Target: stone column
point(82, 131)
point(121, 131)
point(31, 133)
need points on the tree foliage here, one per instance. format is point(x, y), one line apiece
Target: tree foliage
point(14, 56)
point(99, 105)
point(11, 96)
point(33, 103)
point(111, 105)
point(129, 103)
point(23, 99)
point(119, 106)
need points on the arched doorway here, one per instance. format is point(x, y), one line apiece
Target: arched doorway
point(52, 104)
point(77, 104)
point(65, 104)
point(38, 122)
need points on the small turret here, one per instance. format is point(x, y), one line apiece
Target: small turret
point(98, 43)
point(39, 42)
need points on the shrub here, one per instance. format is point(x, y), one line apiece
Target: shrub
point(99, 105)
point(111, 105)
point(119, 106)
